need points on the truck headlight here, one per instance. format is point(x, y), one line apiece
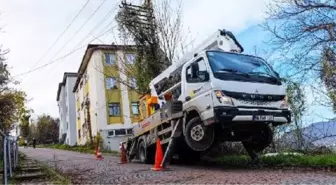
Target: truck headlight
point(284, 103)
point(223, 98)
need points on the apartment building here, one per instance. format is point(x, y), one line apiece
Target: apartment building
point(67, 109)
point(103, 103)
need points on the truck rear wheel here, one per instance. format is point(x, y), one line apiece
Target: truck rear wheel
point(146, 155)
point(197, 136)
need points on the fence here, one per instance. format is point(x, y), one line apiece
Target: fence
point(10, 156)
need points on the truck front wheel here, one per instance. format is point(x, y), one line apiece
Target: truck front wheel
point(198, 136)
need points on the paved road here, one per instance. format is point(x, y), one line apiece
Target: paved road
point(84, 169)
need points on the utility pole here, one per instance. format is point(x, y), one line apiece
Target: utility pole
point(139, 22)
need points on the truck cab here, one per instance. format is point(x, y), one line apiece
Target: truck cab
point(232, 97)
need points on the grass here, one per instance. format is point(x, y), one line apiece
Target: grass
point(53, 176)
point(82, 149)
point(328, 161)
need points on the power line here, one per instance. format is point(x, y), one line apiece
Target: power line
point(58, 59)
point(59, 37)
point(100, 23)
point(97, 25)
point(78, 30)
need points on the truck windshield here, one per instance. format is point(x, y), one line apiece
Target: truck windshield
point(233, 66)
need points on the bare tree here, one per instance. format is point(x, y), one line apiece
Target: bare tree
point(170, 28)
point(300, 31)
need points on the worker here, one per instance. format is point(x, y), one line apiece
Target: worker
point(34, 142)
point(26, 143)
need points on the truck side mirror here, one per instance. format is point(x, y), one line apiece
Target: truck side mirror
point(277, 74)
point(203, 76)
point(206, 76)
point(187, 98)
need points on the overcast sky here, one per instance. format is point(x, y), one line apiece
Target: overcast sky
point(30, 27)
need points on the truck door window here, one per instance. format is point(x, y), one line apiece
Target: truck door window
point(196, 72)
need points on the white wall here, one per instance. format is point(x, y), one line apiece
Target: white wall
point(67, 111)
point(62, 113)
point(71, 114)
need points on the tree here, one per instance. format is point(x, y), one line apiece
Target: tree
point(328, 74)
point(300, 32)
point(156, 32)
point(12, 101)
point(45, 129)
point(296, 101)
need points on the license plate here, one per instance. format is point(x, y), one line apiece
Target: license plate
point(263, 118)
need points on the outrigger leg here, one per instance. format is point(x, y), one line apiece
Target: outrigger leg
point(177, 131)
point(255, 160)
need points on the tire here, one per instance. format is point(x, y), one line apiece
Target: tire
point(146, 155)
point(261, 140)
point(197, 136)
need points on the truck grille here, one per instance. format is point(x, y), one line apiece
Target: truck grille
point(255, 103)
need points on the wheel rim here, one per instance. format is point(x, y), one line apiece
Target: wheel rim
point(197, 133)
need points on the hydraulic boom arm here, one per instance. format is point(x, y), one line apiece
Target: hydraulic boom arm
point(220, 40)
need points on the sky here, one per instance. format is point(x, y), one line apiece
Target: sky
point(31, 27)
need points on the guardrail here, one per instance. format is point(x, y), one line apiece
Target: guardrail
point(10, 157)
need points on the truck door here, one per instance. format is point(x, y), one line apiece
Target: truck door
point(198, 88)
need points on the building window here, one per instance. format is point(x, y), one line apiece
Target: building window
point(111, 83)
point(120, 132)
point(135, 108)
point(132, 82)
point(79, 133)
point(130, 58)
point(67, 125)
point(129, 131)
point(114, 109)
point(110, 133)
point(109, 59)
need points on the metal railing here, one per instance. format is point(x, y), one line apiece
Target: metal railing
point(10, 157)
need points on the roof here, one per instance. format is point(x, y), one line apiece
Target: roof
point(65, 76)
point(88, 53)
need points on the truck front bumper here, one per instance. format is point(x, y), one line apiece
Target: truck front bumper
point(229, 115)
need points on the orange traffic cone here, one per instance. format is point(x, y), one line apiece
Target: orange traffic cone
point(158, 156)
point(123, 158)
point(99, 155)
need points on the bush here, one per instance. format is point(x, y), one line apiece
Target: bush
point(21, 142)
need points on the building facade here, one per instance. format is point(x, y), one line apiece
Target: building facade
point(104, 104)
point(67, 109)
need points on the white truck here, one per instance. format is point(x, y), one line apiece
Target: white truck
point(213, 94)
